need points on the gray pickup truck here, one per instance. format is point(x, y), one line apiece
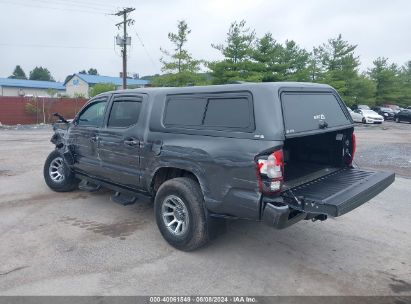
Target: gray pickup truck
point(272, 152)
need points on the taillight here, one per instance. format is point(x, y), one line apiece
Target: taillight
point(270, 171)
point(353, 148)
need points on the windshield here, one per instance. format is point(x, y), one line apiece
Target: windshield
point(387, 110)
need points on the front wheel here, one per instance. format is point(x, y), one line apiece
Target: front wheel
point(364, 121)
point(397, 119)
point(180, 214)
point(57, 174)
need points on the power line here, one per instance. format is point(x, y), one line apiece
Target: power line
point(147, 52)
point(52, 46)
point(53, 8)
point(68, 3)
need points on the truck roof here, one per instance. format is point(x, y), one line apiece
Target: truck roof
point(226, 87)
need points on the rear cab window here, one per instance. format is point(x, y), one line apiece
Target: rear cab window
point(305, 112)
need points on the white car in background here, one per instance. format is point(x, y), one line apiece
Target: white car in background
point(368, 116)
point(355, 116)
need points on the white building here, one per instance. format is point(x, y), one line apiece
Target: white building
point(80, 84)
point(35, 88)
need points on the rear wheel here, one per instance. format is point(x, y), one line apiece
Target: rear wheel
point(180, 214)
point(58, 175)
point(397, 119)
point(364, 121)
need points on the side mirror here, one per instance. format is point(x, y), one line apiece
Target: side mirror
point(60, 117)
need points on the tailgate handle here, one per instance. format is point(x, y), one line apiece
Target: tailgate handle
point(323, 124)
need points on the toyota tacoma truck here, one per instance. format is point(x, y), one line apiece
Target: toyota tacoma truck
point(273, 152)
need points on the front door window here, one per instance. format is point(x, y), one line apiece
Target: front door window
point(93, 115)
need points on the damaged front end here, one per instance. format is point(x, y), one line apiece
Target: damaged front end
point(60, 140)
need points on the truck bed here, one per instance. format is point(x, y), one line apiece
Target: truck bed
point(299, 173)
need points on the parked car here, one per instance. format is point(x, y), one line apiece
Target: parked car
point(360, 106)
point(395, 108)
point(369, 116)
point(386, 113)
point(273, 152)
point(404, 115)
point(356, 117)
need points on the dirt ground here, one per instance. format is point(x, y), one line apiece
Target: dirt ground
point(81, 243)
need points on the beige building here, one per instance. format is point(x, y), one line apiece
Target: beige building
point(30, 88)
point(81, 84)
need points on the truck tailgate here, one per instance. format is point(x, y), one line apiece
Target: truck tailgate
point(339, 192)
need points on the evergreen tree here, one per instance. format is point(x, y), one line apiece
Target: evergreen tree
point(405, 84)
point(294, 62)
point(40, 73)
point(92, 71)
point(180, 67)
point(276, 62)
point(268, 57)
point(385, 76)
point(18, 73)
point(237, 50)
point(338, 67)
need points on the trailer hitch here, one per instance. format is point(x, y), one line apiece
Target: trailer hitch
point(298, 200)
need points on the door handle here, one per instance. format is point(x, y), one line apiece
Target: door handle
point(130, 142)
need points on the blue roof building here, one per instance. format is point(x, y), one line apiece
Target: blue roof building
point(23, 87)
point(80, 84)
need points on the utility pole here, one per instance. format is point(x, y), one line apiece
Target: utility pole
point(124, 41)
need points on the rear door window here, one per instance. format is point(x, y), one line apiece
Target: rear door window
point(307, 111)
point(125, 112)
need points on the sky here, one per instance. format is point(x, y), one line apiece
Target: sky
point(67, 36)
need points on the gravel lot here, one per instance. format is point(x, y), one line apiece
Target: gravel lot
point(81, 243)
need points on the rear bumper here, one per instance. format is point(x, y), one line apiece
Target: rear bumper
point(373, 120)
point(387, 116)
point(280, 216)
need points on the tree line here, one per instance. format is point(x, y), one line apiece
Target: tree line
point(38, 73)
point(43, 74)
point(247, 57)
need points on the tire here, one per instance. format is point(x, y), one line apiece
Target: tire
point(181, 200)
point(397, 120)
point(364, 121)
point(57, 174)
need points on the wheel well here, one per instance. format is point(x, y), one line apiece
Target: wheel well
point(166, 173)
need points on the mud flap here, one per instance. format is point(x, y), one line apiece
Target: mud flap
point(339, 192)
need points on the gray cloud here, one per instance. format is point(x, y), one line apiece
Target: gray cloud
point(380, 28)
